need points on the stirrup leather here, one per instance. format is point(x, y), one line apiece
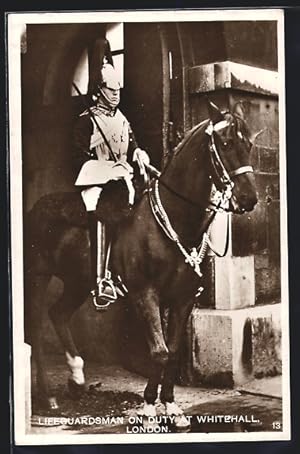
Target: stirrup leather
point(107, 291)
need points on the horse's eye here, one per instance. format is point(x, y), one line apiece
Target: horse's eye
point(227, 144)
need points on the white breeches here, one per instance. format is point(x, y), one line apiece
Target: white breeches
point(90, 197)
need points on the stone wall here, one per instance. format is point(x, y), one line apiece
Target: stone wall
point(234, 333)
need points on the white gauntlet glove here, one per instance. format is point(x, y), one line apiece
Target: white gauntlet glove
point(142, 158)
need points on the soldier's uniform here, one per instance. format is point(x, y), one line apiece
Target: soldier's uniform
point(98, 133)
point(90, 144)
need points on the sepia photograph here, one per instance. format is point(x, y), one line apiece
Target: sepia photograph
point(149, 258)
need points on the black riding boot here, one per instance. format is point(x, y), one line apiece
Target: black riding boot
point(92, 223)
point(102, 288)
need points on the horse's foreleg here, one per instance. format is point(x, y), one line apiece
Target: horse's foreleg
point(60, 313)
point(147, 306)
point(154, 379)
point(177, 322)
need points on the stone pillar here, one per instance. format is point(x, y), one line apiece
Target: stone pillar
point(229, 339)
point(234, 280)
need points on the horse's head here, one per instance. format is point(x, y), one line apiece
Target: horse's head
point(230, 146)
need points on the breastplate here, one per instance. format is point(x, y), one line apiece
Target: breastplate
point(115, 128)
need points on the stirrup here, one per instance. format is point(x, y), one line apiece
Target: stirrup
point(107, 289)
point(106, 292)
point(100, 304)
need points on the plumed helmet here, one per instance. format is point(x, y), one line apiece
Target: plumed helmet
point(110, 77)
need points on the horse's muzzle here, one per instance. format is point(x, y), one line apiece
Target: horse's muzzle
point(244, 204)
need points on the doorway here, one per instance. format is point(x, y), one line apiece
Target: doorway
point(152, 86)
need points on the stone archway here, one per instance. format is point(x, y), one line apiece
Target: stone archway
point(48, 110)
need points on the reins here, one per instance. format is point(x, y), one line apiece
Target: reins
point(189, 201)
point(158, 176)
point(195, 255)
point(224, 184)
point(222, 179)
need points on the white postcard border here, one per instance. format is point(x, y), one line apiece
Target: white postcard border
point(15, 22)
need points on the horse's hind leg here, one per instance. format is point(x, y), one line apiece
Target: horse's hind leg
point(74, 294)
point(35, 312)
point(155, 376)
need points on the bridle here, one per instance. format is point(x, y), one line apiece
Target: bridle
point(223, 181)
point(222, 178)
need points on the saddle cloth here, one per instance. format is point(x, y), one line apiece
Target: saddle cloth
point(99, 172)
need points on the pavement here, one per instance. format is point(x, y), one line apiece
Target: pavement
point(269, 387)
point(259, 398)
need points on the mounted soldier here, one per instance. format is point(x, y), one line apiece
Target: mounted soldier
point(105, 149)
point(158, 253)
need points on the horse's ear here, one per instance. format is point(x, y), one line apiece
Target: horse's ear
point(239, 110)
point(214, 112)
point(254, 135)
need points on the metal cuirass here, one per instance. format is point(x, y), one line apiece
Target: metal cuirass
point(116, 130)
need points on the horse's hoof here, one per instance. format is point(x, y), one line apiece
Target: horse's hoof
point(52, 403)
point(147, 410)
point(76, 391)
point(172, 409)
point(150, 426)
point(46, 403)
point(181, 423)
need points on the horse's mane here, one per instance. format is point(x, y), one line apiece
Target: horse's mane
point(188, 136)
point(240, 124)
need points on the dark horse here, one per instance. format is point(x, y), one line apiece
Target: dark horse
point(153, 264)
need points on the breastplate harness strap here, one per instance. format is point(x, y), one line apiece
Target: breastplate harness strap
point(196, 254)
